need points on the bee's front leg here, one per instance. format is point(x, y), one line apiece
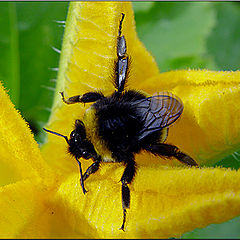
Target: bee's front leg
point(81, 176)
point(91, 169)
point(85, 98)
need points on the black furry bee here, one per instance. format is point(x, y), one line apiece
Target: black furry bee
point(117, 127)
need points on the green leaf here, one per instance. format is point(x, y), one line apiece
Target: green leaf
point(28, 32)
point(39, 32)
point(176, 33)
point(226, 230)
point(9, 61)
point(224, 42)
point(142, 6)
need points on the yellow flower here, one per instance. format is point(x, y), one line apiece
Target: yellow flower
point(41, 195)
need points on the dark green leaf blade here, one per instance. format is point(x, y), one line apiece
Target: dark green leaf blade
point(9, 48)
point(176, 33)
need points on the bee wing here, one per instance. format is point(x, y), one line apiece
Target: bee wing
point(158, 111)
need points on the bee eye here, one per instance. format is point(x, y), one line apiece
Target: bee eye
point(85, 154)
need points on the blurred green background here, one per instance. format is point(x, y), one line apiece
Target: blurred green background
point(180, 35)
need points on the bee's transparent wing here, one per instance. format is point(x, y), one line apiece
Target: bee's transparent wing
point(158, 111)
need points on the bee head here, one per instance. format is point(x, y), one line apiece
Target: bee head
point(78, 145)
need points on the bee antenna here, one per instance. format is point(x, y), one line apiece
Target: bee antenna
point(58, 134)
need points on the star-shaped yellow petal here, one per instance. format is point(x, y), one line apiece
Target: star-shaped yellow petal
point(45, 200)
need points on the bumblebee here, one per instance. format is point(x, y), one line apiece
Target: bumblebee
point(115, 128)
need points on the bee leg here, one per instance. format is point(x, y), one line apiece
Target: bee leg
point(91, 169)
point(121, 67)
point(168, 150)
point(126, 179)
point(125, 203)
point(85, 98)
point(81, 177)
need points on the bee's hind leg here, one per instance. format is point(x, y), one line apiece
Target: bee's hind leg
point(126, 179)
point(168, 150)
